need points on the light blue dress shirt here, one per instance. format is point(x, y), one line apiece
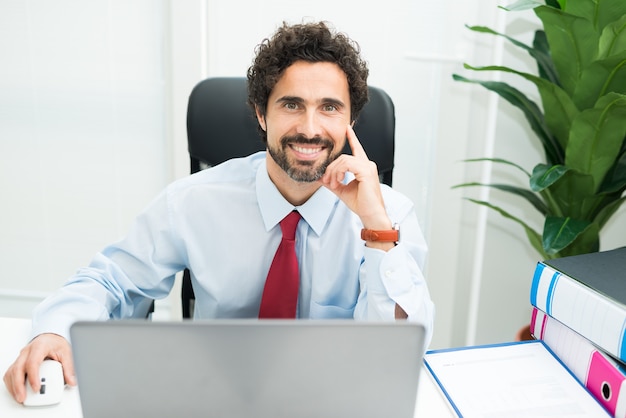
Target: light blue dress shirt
point(223, 224)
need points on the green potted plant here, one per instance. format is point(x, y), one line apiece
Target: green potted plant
point(581, 79)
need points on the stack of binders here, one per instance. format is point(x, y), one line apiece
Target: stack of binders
point(579, 311)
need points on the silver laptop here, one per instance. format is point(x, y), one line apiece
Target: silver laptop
point(247, 368)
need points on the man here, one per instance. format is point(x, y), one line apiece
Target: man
point(306, 86)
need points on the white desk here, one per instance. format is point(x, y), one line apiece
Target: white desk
point(14, 335)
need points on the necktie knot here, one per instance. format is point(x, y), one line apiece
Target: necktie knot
point(288, 225)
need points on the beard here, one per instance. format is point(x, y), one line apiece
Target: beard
point(298, 170)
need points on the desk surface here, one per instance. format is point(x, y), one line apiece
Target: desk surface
point(15, 333)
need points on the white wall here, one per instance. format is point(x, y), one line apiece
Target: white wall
point(93, 101)
point(82, 134)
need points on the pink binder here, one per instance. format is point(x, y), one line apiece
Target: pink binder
point(604, 377)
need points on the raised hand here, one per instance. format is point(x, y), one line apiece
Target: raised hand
point(362, 195)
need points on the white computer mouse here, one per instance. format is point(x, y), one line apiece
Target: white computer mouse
point(52, 385)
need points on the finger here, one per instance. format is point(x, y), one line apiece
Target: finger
point(68, 370)
point(31, 369)
point(355, 145)
point(15, 379)
point(8, 382)
point(336, 171)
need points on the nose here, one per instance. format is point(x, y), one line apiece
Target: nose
point(309, 125)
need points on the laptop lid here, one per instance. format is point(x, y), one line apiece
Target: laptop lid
point(248, 368)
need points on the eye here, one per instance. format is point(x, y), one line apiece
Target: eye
point(330, 108)
point(291, 105)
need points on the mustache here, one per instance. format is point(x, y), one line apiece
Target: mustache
point(303, 139)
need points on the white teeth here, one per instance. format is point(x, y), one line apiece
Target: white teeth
point(306, 150)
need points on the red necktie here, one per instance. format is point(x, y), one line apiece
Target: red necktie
point(280, 295)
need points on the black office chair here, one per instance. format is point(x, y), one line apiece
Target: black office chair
point(221, 126)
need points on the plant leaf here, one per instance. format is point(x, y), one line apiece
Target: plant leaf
point(545, 65)
point(615, 179)
point(573, 43)
point(567, 192)
point(608, 210)
point(540, 52)
point(521, 5)
point(545, 175)
point(587, 241)
point(597, 136)
point(558, 233)
point(554, 152)
point(555, 3)
point(562, 108)
point(498, 161)
point(533, 236)
point(599, 13)
point(613, 38)
point(600, 78)
point(531, 197)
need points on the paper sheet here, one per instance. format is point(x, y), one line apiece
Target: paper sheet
point(510, 380)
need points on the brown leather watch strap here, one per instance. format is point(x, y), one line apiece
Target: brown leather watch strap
point(388, 235)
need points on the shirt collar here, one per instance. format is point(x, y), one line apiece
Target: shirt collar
point(274, 207)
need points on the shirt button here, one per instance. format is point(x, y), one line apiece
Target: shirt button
point(388, 273)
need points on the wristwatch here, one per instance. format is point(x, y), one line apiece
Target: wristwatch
point(384, 235)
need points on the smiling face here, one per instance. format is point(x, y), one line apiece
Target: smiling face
point(306, 118)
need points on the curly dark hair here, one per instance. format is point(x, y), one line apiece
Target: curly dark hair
point(311, 42)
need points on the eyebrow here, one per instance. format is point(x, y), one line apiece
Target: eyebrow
point(325, 100)
point(285, 99)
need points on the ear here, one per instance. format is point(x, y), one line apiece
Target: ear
point(352, 123)
point(260, 118)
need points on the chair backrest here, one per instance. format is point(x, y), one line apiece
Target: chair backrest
point(220, 126)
